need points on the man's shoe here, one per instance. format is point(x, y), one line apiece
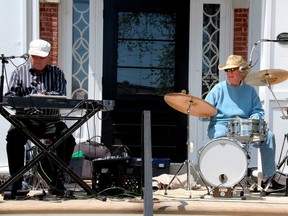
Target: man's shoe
point(18, 194)
point(61, 193)
point(56, 191)
point(277, 186)
point(22, 192)
point(273, 185)
point(57, 188)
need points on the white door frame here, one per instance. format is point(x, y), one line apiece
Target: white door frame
point(93, 127)
point(198, 127)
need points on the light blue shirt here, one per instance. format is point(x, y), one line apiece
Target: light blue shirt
point(231, 102)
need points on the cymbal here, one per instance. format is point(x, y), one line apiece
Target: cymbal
point(267, 77)
point(190, 105)
point(285, 107)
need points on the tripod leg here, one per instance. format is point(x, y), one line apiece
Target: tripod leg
point(278, 166)
point(200, 178)
point(167, 186)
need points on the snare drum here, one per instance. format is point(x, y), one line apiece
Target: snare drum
point(223, 163)
point(247, 130)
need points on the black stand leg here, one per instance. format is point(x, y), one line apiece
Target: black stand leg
point(188, 164)
point(265, 191)
point(45, 151)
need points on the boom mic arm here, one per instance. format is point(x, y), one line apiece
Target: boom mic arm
point(281, 38)
point(24, 56)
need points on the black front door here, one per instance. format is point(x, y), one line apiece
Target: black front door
point(145, 57)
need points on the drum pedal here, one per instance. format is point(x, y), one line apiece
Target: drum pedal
point(222, 192)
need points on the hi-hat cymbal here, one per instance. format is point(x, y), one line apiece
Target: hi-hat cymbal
point(190, 105)
point(267, 77)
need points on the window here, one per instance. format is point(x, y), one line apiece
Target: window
point(146, 53)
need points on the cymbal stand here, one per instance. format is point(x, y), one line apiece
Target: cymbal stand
point(269, 87)
point(278, 171)
point(280, 163)
point(187, 162)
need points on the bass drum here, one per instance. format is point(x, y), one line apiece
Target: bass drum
point(223, 163)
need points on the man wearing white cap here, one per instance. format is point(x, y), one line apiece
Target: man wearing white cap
point(234, 99)
point(39, 77)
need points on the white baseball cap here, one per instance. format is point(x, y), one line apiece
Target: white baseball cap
point(39, 48)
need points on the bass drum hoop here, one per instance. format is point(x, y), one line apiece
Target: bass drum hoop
point(223, 163)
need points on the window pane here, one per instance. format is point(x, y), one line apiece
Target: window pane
point(144, 81)
point(156, 26)
point(146, 53)
point(80, 40)
point(210, 47)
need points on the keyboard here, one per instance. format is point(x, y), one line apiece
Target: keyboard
point(50, 102)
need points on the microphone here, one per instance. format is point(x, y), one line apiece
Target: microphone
point(25, 56)
point(242, 69)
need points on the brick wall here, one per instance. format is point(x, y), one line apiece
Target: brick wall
point(240, 44)
point(49, 27)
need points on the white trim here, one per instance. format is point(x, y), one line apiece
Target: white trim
point(30, 22)
point(25, 25)
point(195, 60)
point(226, 34)
point(65, 42)
point(240, 4)
point(35, 19)
point(195, 72)
point(95, 60)
point(198, 128)
point(95, 49)
point(265, 57)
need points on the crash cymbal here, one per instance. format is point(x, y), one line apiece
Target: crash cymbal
point(267, 77)
point(190, 105)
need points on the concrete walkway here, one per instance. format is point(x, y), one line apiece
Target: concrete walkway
point(175, 202)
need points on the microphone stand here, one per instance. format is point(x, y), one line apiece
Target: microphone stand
point(260, 41)
point(267, 80)
point(4, 61)
point(187, 162)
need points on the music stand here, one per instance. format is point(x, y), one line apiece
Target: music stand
point(189, 105)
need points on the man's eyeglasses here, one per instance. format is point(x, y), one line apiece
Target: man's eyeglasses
point(231, 69)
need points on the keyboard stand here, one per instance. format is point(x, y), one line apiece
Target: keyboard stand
point(48, 151)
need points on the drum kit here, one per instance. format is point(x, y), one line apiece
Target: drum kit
point(222, 152)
